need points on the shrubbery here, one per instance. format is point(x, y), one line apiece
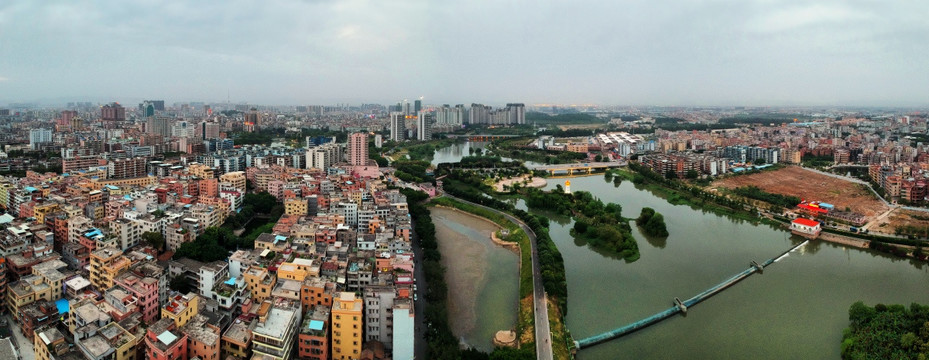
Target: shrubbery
point(651, 223)
point(886, 332)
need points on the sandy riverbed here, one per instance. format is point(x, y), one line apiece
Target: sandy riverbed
point(483, 279)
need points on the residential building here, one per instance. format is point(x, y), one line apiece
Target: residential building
point(203, 339)
point(163, 341)
point(237, 340)
point(236, 179)
point(378, 304)
point(347, 326)
point(274, 336)
point(38, 137)
point(105, 264)
point(358, 149)
point(397, 126)
point(313, 341)
point(424, 126)
point(181, 308)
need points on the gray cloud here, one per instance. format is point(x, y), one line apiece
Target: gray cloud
point(711, 52)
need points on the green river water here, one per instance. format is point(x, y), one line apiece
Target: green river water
point(797, 309)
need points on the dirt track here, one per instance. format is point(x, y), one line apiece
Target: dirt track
point(811, 186)
point(900, 218)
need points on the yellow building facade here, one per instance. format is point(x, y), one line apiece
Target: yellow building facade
point(346, 326)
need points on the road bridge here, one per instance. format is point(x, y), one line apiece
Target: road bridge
point(484, 137)
point(576, 168)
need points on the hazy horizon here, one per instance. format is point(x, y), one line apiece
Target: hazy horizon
point(639, 53)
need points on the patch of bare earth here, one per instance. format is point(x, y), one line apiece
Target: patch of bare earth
point(811, 186)
point(901, 218)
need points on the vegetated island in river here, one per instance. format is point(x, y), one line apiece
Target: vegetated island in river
point(886, 332)
point(601, 225)
point(652, 223)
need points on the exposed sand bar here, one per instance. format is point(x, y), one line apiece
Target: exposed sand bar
point(483, 278)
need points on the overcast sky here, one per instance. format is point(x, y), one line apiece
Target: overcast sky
point(674, 52)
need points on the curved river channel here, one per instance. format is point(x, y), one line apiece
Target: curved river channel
point(797, 309)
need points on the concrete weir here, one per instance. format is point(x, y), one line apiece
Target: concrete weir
point(678, 305)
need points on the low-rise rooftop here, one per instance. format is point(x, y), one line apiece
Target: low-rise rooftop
point(276, 323)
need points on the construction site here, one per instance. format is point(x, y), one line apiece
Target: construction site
point(809, 185)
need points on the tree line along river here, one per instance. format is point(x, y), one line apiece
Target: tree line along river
point(796, 309)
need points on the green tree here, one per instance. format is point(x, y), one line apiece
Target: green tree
point(644, 215)
point(580, 227)
point(261, 202)
point(670, 174)
point(155, 239)
point(180, 284)
point(692, 174)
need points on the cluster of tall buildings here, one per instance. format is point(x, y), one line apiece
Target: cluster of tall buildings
point(511, 114)
point(420, 125)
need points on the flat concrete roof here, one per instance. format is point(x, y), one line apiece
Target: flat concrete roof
point(277, 322)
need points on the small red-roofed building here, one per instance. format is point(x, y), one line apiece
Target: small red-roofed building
point(806, 227)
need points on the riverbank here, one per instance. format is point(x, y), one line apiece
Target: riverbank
point(703, 249)
point(844, 240)
point(516, 235)
point(482, 297)
point(526, 320)
point(677, 192)
point(513, 246)
point(695, 197)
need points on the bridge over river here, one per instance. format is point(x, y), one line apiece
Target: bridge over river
point(679, 306)
point(577, 168)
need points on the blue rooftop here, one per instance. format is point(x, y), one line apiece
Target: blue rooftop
point(316, 325)
point(231, 281)
point(63, 306)
point(31, 189)
point(279, 238)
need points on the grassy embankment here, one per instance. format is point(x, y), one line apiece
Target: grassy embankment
point(691, 195)
point(526, 320)
point(680, 193)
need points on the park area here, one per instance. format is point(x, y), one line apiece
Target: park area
point(811, 186)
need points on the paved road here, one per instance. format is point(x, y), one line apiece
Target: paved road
point(543, 333)
point(22, 344)
point(419, 306)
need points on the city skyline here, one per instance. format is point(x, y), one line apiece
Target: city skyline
point(291, 52)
